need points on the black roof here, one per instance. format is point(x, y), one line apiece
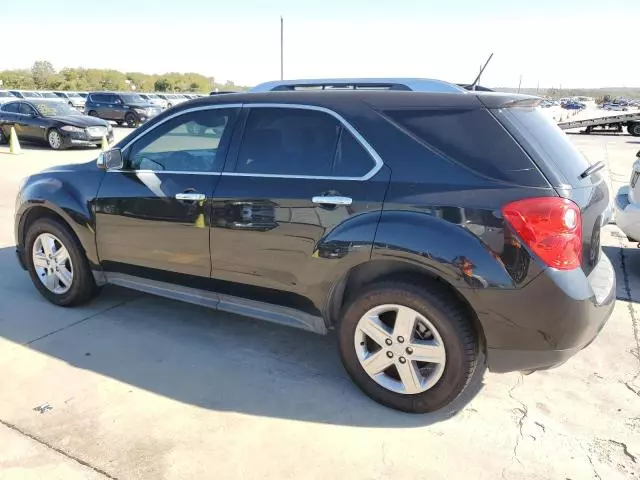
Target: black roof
point(383, 99)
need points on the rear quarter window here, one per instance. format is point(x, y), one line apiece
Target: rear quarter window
point(545, 142)
point(472, 138)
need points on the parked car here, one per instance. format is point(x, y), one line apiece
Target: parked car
point(25, 94)
point(83, 94)
point(51, 122)
point(6, 96)
point(155, 99)
point(572, 105)
point(129, 108)
point(74, 99)
point(628, 204)
point(429, 230)
point(172, 99)
point(615, 106)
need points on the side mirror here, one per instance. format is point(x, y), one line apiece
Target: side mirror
point(111, 160)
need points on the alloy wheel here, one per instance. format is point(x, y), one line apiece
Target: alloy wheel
point(52, 263)
point(400, 349)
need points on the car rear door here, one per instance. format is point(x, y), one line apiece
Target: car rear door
point(150, 215)
point(300, 175)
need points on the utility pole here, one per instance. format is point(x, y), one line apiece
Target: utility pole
point(519, 83)
point(281, 48)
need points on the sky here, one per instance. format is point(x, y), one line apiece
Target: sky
point(550, 43)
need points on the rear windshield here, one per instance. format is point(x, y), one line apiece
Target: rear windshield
point(545, 142)
point(472, 138)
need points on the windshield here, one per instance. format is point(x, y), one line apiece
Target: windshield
point(48, 108)
point(73, 95)
point(31, 95)
point(6, 94)
point(49, 95)
point(131, 98)
point(151, 96)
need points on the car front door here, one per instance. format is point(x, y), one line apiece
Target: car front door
point(300, 175)
point(151, 216)
point(28, 125)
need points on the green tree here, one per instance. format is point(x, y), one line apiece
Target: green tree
point(162, 85)
point(42, 71)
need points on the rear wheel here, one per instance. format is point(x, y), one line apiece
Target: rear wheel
point(408, 348)
point(119, 123)
point(132, 120)
point(3, 137)
point(634, 129)
point(57, 264)
point(93, 113)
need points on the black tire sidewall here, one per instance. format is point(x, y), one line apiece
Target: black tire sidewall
point(458, 368)
point(3, 137)
point(131, 120)
point(83, 283)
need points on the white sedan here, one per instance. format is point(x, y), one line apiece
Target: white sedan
point(628, 204)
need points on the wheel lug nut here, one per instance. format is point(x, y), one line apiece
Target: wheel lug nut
point(409, 350)
point(390, 354)
point(403, 360)
point(400, 339)
point(388, 341)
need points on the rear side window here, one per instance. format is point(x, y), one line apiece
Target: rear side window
point(472, 138)
point(544, 141)
point(98, 97)
point(289, 141)
point(10, 108)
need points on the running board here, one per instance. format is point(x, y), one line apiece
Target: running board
point(289, 317)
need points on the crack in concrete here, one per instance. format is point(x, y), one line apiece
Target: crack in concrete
point(524, 412)
point(93, 315)
point(625, 450)
point(635, 324)
point(55, 449)
point(626, 384)
point(593, 467)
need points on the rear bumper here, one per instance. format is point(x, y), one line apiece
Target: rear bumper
point(627, 214)
point(550, 320)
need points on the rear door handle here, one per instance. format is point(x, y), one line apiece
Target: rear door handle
point(332, 200)
point(193, 197)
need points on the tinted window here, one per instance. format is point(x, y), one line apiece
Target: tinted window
point(26, 109)
point(10, 107)
point(472, 138)
point(544, 141)
point(193, 142)
point(289, 142)
point(351, 159)
point(98, 97)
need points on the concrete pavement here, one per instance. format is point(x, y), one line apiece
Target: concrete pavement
point(143, 387)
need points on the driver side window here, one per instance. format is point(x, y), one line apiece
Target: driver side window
point(26, 109)
point(193, 142)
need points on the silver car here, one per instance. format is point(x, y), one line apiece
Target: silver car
point(75, 100)
point(628, 204)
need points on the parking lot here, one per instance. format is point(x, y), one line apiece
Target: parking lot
point(134, 386)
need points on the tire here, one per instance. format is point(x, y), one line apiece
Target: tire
point(54, 139)
point(634, 129)
point(93, 113)
point(454, 334)
point(82, 286)
point(132, 120)
point(3, 138)
point(119, 123)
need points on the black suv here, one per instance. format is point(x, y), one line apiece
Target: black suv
point(429, 230)
point(129, 108)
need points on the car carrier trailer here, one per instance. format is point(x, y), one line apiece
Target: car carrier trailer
point(610, 123)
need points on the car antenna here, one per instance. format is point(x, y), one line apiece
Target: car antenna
point(475, 82)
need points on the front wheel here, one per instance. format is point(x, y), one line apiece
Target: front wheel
point(634, 129)
point(55, 139)
point(57, 264)
point(132, 120)
point(409, 348)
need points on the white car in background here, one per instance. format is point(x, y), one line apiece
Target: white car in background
point(75, 100)
point(172, 98)
point(155, 99)
point(628, 204)
point(6, 96)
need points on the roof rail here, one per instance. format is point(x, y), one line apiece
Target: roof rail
point(406, 84)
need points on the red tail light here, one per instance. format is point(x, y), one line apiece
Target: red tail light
point(551, 227)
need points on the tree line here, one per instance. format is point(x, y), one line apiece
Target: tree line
point(42, 76)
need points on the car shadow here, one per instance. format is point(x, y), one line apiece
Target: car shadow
point(198, 356)
point(636, 142)
point(626, 262)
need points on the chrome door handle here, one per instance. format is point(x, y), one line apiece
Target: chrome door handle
point(332, 200)
point(193, 197)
